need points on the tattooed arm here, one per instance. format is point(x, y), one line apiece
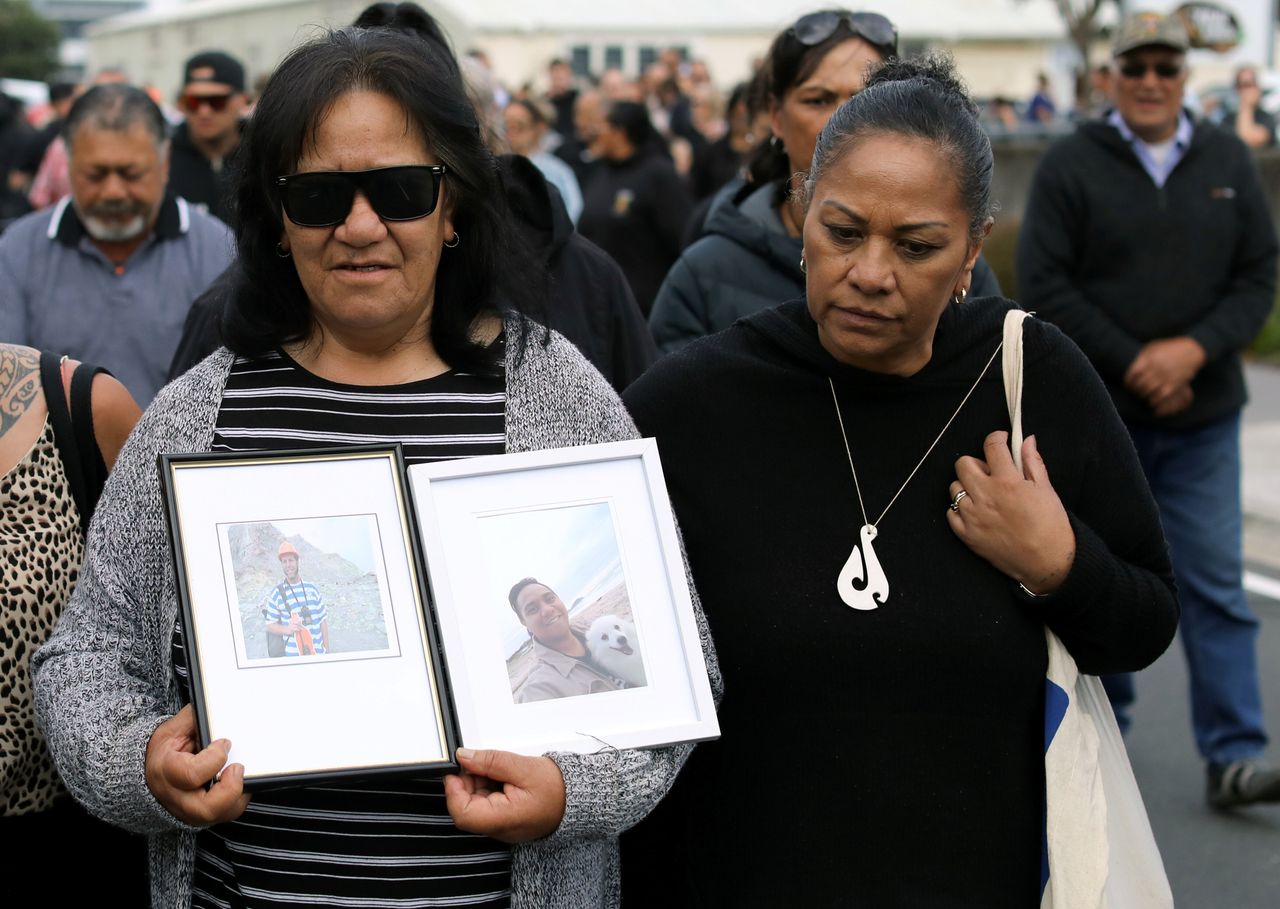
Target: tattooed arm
point(114, 411)
point(19, 384)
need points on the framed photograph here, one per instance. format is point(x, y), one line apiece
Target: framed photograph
point(562, 600)
point(308, 641)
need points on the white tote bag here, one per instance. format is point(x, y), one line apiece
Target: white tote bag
point(1098, 847)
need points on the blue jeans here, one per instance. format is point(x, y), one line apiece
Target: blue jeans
point(1195, 478)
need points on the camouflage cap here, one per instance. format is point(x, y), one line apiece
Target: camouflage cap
point(1150, 29)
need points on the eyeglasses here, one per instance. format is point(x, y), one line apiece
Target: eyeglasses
point(324, 198)
point(873, 27)
point(1136, 69)
point(216, 103)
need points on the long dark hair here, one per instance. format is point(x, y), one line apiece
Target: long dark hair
point(486, 273)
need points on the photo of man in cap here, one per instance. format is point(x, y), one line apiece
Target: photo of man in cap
point(295, 612)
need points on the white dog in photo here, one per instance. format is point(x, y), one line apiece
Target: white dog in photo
point(615, 647)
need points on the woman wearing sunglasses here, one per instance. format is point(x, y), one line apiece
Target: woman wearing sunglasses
point(876, 570)
point(749, 256)
point(378, 301)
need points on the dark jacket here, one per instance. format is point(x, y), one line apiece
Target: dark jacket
point(591, 303)
point(745, 262)
point(1116, 261)
point(194, 177)
point(635, 210)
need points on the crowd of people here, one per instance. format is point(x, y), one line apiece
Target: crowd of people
point(786, 288)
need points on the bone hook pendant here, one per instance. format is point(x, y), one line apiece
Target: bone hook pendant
point(862, 584)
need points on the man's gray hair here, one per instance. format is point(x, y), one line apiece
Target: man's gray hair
point(115, 107)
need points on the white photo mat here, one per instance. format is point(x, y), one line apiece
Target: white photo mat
point(350, 711)
point(618, 490)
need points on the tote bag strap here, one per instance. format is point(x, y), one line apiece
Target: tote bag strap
point(1011, 365)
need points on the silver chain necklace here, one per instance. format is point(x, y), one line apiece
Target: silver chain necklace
point(862, 583)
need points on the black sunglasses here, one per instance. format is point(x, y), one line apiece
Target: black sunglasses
point(873, 27)
point(324, 198)
point(1136, 69)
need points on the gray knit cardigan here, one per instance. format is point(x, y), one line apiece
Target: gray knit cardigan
point(105, 681)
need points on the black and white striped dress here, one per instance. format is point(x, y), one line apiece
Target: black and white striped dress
point(389, 843)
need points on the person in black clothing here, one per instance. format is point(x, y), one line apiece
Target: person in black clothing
point(1147, 240)
point(15, 133)
point(202, 152)
point(724, 158)
point(872, 404)
point(1255, 127)
point(635, 206)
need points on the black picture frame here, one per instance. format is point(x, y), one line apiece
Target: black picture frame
point(195, 517)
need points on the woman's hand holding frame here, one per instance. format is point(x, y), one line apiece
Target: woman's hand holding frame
point(178, 775)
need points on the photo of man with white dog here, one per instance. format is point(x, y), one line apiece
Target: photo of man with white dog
point(568, 630)
point(566, 660)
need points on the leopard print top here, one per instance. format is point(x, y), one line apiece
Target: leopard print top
point(41, 548)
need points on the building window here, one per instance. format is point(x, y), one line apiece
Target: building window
point(580, 59)
point(648, 56)
point(613, 57)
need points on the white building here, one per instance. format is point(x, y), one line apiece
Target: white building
point(1000, 45)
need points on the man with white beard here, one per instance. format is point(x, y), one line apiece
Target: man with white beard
point(107, 275)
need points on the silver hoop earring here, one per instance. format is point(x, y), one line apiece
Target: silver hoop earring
point(456, 241)
point(802, 264)
point(282, 252)
point(959, 296)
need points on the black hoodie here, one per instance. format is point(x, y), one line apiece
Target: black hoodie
point(1116, 261)
point(891, 757)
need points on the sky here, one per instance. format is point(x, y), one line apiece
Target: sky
point(350, 536)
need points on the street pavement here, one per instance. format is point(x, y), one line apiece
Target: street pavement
point(1218, 860)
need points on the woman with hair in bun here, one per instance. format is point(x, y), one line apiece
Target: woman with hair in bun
point(748, 258)
point(877, 573)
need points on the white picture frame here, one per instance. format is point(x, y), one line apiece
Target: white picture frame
point(596, 522)
point(334, 700)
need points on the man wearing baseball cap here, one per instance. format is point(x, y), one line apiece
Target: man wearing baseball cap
point(1147, 239)
point(294, 611)
point(213, 102)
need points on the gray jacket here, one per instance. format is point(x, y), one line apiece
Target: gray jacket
point(105, 681)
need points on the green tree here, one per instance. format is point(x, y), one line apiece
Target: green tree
point(28, 42)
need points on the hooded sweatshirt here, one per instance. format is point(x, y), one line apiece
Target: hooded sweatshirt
point(891, 757)
point(1116, 261)
point(745, 262)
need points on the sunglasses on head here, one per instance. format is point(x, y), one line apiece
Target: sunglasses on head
point(216, 103)
point(324, 198)
point(1136, 69)
point(872, 27)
